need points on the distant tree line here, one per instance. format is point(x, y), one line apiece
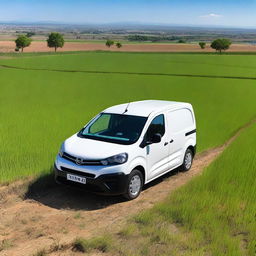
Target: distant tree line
point(55, 40)
point(152, 38)
point(109, 43)
point(30, 34)
point(220, 44)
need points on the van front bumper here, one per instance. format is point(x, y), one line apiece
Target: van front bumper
point(109, 184)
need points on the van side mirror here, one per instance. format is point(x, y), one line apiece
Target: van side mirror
point(156, 138)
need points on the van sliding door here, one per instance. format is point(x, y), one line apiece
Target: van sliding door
point(179, 122)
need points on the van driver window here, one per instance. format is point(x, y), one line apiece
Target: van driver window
point(156, 126)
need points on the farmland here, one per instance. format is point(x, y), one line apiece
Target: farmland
point(127, 46)
point(40, 108)
point(44, 98)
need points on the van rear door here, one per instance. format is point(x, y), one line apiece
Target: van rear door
point(179, 122)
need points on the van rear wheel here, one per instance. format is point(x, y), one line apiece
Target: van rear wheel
point(187, 161)
point(134, 185)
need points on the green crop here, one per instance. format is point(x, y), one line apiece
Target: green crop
point(40, 108)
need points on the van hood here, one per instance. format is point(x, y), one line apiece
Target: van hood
point(92, 149)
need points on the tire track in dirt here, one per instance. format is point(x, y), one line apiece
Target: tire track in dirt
point(51, 217)
point(129, 73)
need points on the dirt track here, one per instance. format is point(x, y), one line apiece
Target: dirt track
point(44, 219)
point(9, 46)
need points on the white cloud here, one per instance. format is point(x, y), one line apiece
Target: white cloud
point(211, 16)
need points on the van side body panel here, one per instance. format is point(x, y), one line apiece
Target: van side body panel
point(181, 129)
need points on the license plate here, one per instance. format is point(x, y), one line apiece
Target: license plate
point(76, 178)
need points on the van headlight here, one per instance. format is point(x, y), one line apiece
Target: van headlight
point(116, 159)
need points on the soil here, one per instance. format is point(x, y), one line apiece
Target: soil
point(56, 216)
point(9, 46)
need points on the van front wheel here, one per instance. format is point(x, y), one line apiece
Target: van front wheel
point(187, 161)
point(134, 185)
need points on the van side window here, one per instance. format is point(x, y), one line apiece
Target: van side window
point(157, 126)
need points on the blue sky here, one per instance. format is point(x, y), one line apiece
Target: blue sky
point(236, 13)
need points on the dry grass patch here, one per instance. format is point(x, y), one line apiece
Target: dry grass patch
point(102, 244)
point(6, 244)
point(40, 253)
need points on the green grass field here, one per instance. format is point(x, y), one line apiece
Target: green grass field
point(164, 63)
point(43, 100)
point(40, 108)
point(212, 215)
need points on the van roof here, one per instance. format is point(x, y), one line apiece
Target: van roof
point(145, 107)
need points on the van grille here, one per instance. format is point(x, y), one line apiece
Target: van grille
point(82, 161)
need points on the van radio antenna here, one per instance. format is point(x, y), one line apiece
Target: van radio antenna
point(126, 109)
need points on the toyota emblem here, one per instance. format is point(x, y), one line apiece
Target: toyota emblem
point(79, 161)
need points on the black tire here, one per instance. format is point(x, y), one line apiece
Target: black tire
point(187, 161)
point(135, 177)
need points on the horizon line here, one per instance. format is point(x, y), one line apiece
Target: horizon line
point(131, 23)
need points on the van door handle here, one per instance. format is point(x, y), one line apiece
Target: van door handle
point(171, 141)
point(166, 143)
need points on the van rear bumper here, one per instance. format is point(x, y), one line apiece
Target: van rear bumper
point(108, 184)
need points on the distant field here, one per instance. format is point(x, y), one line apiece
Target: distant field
point(155, 63)
point(40, 108)
point(37, 46)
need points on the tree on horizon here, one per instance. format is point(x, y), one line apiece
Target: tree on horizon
point(22, 41)
point(221, 44)
point(55, 40)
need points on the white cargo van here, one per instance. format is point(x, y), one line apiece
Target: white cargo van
point(127, 146)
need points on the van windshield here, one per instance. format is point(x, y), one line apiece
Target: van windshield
point(114, 128)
